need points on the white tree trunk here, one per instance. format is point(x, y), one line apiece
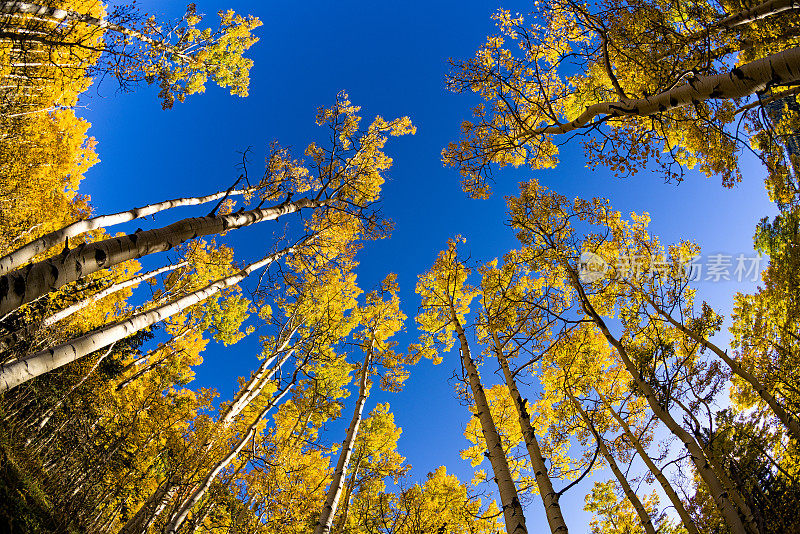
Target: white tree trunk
point(246, 395)
point(152, 507)
point(183, 512)
point(698, 457)
point(644, 517)
point(687, 520)
point(78, 306)
point(17, 372)
point(24, 254)
point(555, 519)
point(37, 279)
point(780, 68)
point(348, 494)
point(63, 15)
point(325, 521)
point(256, 384)
point(511, 506)
point(791, 423)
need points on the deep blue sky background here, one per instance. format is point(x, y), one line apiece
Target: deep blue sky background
point(391, 58)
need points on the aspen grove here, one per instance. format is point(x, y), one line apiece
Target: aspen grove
point(203, 347)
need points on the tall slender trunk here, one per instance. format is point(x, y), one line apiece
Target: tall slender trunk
point(728, 484)
point(140, 521)
point(142, 358)
point(325, 521)
point(767, 9)
point(257, 382)
point(687, 520)
point(351, 483)
point(246, 395)
point(183, 511)
point(78, 306)
point(149, 368)
point(37, 279)
point(24, 254)
point(698, 457)
point(791, 423)
point(644, 517)
point(512, 508)
point(550, 498)
point(780, 68)
point(17, 372)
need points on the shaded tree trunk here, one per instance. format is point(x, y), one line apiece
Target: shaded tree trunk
point(791, 423)
point(24, 254)
point(644, 517)
point(552, 509)
point(511, 506)
point(721, 498)
point(687, 520)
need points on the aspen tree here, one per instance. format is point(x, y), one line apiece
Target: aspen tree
point(381, 318)
point(181, 60)
point(789, 420)
point(246, 436)
point(346, 192)
point(376, 458)
point(674, 499)
point(15, 373)
point(644, 517)
point(113, 288)
point(543, 221)
point(445, 303)
point(652, 82)
point(503, 290)
point(321, 305)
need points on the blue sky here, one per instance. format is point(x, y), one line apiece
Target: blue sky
point(391, 58)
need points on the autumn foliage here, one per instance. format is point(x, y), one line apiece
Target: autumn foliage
point(583, 357)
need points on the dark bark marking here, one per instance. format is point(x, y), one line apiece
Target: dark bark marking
point(100, 256)
point(19, 285)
